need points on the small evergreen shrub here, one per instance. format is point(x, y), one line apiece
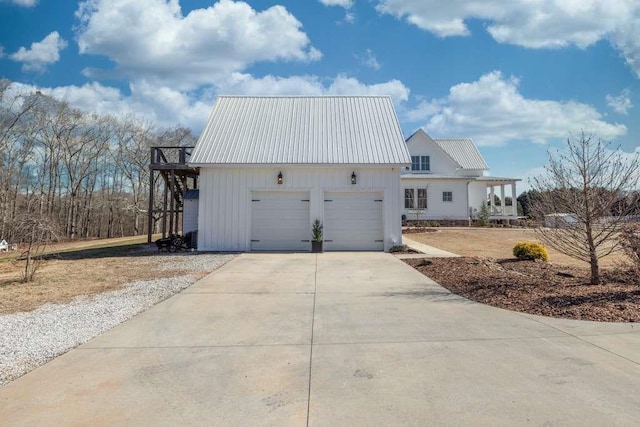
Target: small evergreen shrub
point(530, 250)
point(483, 215)
point(316, 231)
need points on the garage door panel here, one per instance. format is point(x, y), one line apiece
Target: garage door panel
point(280, 221)
point(353, 221)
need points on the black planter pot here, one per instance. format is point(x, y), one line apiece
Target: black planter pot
point(316, 247)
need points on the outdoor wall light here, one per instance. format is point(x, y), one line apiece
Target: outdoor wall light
point(279, 178)
point(354, 178)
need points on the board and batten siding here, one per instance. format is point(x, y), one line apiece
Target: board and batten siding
point(458, 209)
point(225, 207)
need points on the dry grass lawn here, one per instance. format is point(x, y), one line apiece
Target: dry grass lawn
point(79, 268)
point(495, 243)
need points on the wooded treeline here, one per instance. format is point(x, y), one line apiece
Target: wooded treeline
point(86, 174)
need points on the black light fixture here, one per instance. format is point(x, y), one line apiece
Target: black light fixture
point(279, 178)
point(354, 178)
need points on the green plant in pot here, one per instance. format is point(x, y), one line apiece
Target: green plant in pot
point(316, 234)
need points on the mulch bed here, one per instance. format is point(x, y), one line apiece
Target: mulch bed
point(416, 230)
point(538, 287)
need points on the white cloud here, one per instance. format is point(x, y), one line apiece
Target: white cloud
point(245, 84)
point(23, 3)
point(368, 58)
point(1, 51)
point(532, 24)
point(167, 107)
point(493, 112)
point(41, 53)
point(349, 17)
point(342, 3)
point(621, 104)
point(163, 106)
point(151, 39)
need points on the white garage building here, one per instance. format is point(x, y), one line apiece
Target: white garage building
point(270, 166)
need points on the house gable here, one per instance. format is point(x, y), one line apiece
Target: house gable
point(421, 144)
point(450, 157)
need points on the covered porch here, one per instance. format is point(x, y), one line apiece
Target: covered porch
point(497, 186)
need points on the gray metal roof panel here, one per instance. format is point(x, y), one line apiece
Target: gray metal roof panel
point(497, 178)
point(413, 175)
point(463, 151)
point(302, 130)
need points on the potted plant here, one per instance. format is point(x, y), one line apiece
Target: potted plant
point(316, 234)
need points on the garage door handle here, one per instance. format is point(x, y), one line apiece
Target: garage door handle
point(379, 241)
point(304, 200)
point(377, 200)
point(328, 240)
point(255, 200)
point(328, 200)
point(305, 241)
point(253, 241)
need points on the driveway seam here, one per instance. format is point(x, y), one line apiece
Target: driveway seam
point(435, 341)
point(585, 341)
point(313, 318)
point(177, 347)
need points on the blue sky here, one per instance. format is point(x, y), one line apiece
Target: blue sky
point(516, 77)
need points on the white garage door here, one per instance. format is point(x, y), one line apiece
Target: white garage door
point(353, 221)
point(280, 221)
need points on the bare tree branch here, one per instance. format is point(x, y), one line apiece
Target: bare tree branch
point(590, 183)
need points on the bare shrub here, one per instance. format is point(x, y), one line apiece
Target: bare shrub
point(629, 239)
point(36, 232)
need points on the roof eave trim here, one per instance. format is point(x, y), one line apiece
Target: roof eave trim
point(305, 165)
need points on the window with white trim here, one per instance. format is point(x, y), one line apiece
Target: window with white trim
point(420, 163)
point(425, 163)
point(415, 163)
point(447, 196)
point(408, 198)
point(422, 198)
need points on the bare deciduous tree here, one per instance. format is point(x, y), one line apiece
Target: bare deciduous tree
point(586, 181)
point(36, 232)
point(87, 173)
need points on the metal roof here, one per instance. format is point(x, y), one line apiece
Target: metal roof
point(328, 130)
point(487, 179)
point(463, 151)
point(410, 175)
point(497, 178)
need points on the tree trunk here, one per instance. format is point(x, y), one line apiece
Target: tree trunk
point(595, 269)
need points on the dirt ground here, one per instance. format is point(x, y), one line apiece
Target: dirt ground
point(488, 273)
point(79, 268)
point(495, 243)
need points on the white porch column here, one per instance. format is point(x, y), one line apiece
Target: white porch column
point(503, 203)
point(492, 201)
point(514, 202)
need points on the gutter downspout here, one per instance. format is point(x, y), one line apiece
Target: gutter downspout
point(468, 207)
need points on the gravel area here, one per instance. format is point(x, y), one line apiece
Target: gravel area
point(31, 339)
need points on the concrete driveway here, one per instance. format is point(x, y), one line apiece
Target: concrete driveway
point(334, 339)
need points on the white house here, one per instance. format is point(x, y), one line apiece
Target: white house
point(270, 166)
point(447, 181)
